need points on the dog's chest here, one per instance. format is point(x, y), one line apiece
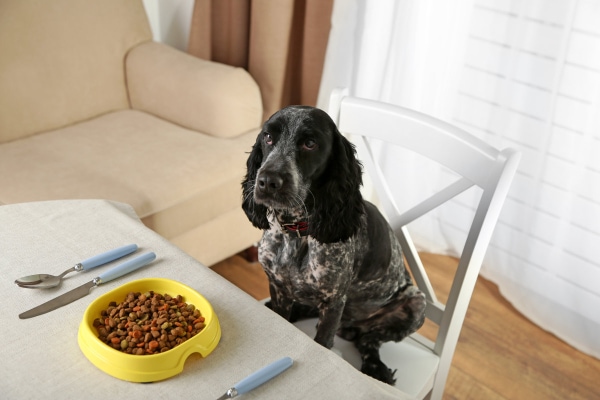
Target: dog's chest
point(302, 266)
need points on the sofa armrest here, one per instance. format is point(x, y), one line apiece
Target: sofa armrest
point(201, 95)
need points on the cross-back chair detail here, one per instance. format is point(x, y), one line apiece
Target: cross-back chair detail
point(477, 164)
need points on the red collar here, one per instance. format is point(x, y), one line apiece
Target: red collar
point(299, 229)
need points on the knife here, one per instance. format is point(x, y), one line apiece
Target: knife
point(83, 290)
point(257, 378)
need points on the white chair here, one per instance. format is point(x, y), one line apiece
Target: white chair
point(423, 365)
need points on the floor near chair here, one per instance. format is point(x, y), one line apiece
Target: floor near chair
point(500, 354)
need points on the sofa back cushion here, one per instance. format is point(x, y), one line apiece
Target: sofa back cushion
point(62, 61)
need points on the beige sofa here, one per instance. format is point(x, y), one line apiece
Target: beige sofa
point(90, 107)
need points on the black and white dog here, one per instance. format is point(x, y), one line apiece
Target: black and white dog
point(326, 251)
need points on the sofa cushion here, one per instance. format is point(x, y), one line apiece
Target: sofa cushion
point(198, 94)
point(62, 61)
point(175, 178)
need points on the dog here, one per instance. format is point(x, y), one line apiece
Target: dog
point(327, 252)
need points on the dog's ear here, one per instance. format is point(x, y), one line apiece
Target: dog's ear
point(338, 202)
point(256, 213)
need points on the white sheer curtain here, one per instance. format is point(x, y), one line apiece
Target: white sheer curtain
point(521, 73)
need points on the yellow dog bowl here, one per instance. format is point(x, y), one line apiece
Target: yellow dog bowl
point(147, 368)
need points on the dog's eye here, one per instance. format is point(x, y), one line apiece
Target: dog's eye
point(309, 145)
point(268, 138)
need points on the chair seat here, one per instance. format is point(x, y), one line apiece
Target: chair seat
point(416, 365)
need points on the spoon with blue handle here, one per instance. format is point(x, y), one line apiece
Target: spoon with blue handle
point(45, 281)
point(259, 377)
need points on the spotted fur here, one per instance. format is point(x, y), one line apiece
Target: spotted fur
point(349, 270)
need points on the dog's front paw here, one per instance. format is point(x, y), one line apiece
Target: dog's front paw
point(378, 370)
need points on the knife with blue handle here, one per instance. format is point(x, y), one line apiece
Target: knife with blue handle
point(257, 378)
point(83, 290)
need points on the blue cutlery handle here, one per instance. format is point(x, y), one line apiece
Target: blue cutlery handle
point(263, 375)
point(126, 267)
point(108, 256)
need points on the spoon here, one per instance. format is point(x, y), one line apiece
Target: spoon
point(45, 281)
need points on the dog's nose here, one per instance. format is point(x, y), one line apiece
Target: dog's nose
point(269, 182)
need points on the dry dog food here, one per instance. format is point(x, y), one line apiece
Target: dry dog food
point(148, 323)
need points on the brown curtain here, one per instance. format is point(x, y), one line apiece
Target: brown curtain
point(281, 43)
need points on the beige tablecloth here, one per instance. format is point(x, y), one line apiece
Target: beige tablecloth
point(40, 357)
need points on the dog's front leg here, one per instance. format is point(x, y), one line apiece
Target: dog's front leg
point(330, 315)
point(280, 302)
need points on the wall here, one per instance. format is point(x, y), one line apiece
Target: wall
point(170, 21)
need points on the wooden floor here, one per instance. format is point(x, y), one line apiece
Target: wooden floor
point(500, 354)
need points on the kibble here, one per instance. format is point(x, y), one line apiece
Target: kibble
point(148, 323)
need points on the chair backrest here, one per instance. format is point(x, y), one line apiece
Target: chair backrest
point(475, 162)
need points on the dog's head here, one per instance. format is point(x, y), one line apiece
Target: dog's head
point(300, 161)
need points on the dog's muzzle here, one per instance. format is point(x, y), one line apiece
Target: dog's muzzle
point(268, 183)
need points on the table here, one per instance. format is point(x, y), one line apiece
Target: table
point(40, 357)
